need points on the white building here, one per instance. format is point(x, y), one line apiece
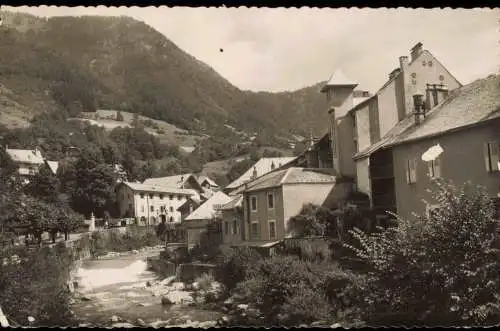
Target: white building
point(151, 203)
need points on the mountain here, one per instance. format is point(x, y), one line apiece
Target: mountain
point(87, 63)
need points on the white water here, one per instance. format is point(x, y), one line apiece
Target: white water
point(93, 278)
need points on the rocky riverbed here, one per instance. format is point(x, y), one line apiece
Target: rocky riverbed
point(116, 290)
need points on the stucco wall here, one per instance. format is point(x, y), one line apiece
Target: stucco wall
point(296, 195)
point(363, 175)
point(460, 162)
point(142, 206)
point(263, 214)
point(363, 127)
point(345, 126)
point(425, 75)
point(387, 105)
point(230, 216)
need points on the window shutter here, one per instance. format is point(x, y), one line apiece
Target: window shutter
point(408, 178)
point(437, 167)
point(495, 156)
point(487, 158)
point(430, 164)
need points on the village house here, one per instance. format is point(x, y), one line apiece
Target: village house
point(151, 204)
point(190, 205)
point(208, 183)
point(183, 181)
point(464, 125)
point(260, 168)
point(205, 219)
point(360, 120)
point(30, 162)
point(269, 201)
point(232, 221)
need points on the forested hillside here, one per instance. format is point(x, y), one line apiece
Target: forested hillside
point(76, 64)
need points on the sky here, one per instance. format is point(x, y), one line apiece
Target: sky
point(267, 49)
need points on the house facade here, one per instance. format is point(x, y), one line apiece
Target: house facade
point(28, 161)
point(465, 125)
point(151, 204)
point(270, 201)
point(376, 118)
point(206, 218)
point(233, 226)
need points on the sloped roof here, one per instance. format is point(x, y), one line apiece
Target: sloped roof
point(206, 210)
point(53, 165)
point(171, 181)
point(25, 155)
point(263, 166)
point(236, 202)
point(339, 79)
point(293, 175)
point(468, 105)
point(202, 179)
point(158, 188)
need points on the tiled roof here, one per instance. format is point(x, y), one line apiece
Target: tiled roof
point(206, 210)
point(468, 105)
point(25, 155)
point(263, 166)
point(158, 188)
point(236, 202)
point(293, 175)
point(170, 181)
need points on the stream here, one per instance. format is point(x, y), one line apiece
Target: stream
point(113, 289)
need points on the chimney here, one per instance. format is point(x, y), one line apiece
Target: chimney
point(416, 51)
point(403, 62)
point(272, 165)
point(436, 93)
point(419, 107)
point(254, 174)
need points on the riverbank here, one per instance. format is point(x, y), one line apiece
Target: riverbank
point(117, 290)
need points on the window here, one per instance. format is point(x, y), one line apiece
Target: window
point(441, 77)
point(430, 63)
point(161, 196)
point(492, 156)
point(254, 230)
point(171, 197)
point(142, 195)
point(424, 63)
point(142, 208)
point(411, 171)
point(162, 209)
point(270, 200)
point(179, 197)
point(435, 168)
point(272, 229)
point(253, 203)
point(236, 228)
point(226, 228)
point(152, 208)
point(171, 209)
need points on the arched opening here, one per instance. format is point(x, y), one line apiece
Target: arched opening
point(163, 218)
point(171, 219)
point(152, 220)
point(143, 220)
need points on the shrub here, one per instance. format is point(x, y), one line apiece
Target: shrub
point(235, 264)
point(439, 269)
point(37, 287)
point(205, 281)
point(277, 284)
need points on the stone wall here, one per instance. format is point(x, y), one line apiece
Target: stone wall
point(188, 272)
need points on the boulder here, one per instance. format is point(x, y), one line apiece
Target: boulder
point(195, 286)
point(318, 323)
point(207, 324)
point(167, 281)
point(115, 319)
point(141, 322)
point(135, 251)
point(84, 298)
point(336, 325)
point(148, 284)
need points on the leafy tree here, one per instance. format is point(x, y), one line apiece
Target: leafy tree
point(439, 269)
point(44, 185)
point(312, 220)
point(91, 183)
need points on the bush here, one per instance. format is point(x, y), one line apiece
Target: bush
point(236, 263)
point(205, 282)
point(276, 285)
point(37, 287)
point(439, 269)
